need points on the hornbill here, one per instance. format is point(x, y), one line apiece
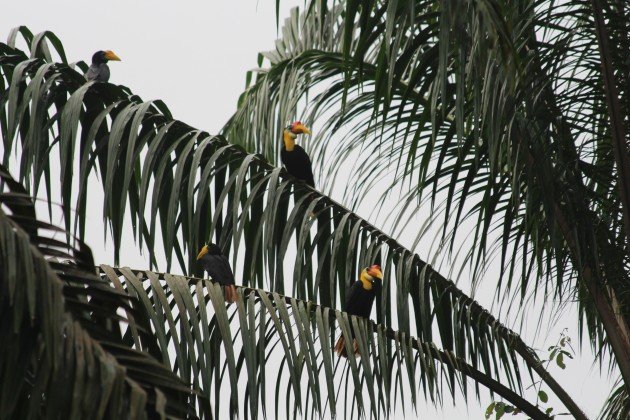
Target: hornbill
point(99, 71)
point(359, 301)
point(219, 270)
point(294, 157)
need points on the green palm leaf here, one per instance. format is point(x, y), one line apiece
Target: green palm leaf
point(197, 187)
point(217, 347)
point(62, 351)
point(496, 111)
point(618, 405)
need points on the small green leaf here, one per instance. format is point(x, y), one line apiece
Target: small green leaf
point(549, 410)
point(500, 409)
point(543, 396)
point(490, 409)
point(560, 361)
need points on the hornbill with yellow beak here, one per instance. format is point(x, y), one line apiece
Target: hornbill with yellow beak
point(359, 301)
point(219, 270)
point(99, 71)
point(294, 157)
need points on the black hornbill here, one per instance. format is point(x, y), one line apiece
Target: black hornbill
point(359, 301)
point(294, 157)
point(99, 71)
point(219, 270)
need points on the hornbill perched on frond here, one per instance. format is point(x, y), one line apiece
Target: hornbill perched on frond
point(99, 70)
point(219, 269)
point(359, 301)
point(294, 157)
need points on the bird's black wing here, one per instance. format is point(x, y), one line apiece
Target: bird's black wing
point(310, 179)
point(307, 174)
point(354, 298)
point(219, 269)
point(298, 164)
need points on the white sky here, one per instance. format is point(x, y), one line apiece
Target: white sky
point(194, 55)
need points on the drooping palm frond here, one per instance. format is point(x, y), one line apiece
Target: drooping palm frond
point(112, 378)
point(62, 352)
point(196, 187)
point(618, 404)
point(495, 109)
point(222, 350)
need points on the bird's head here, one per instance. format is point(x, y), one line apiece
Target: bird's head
point(297, 128)
point(101, 57)
point(371, 275)
point(210, 248)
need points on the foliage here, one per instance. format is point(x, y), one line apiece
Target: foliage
point(618, 404)
point(190, 187)
point(503, 114)
point(557, 352)
point(495, 107)
point(298, 336)
point(62, 352)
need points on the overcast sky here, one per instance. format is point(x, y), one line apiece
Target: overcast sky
point(191, 54)
point(194, 55)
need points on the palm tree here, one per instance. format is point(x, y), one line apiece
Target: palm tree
point(177, 330)
point(511, 115)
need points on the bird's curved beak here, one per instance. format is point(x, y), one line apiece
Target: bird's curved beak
point(109, 55)
point(375, 271)
point(301, 129)
point(203, 252)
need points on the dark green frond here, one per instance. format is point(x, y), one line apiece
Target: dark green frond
point(62, 351)
point(493, 114)
point(618, 404)
point(194, 187)
point(214, 347)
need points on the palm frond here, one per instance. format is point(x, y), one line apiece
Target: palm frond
point(219, 348)
point(495, 109)
point(618, 404)
point(176, 178)
point(197, 187)
point(62, 351)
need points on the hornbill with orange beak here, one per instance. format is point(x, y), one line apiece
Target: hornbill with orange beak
point(359, 301)
point(219, 269)
point(99, 71)
point(294, 157)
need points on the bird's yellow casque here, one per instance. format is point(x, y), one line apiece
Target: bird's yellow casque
point(109, 54)
point(202, 252)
